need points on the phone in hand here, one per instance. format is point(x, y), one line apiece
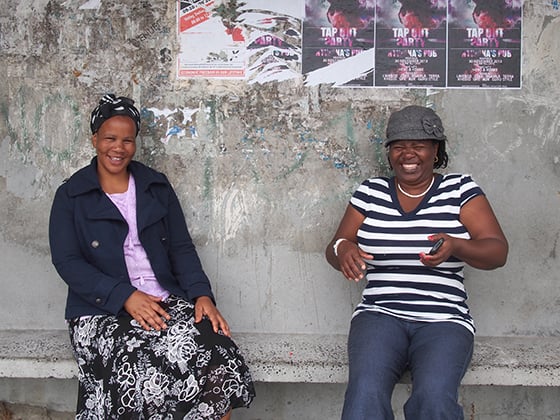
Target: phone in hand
point(436, 246)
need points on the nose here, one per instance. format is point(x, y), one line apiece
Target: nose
point(118, 144)
point(408, 151)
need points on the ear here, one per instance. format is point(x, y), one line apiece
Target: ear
point(94, 141)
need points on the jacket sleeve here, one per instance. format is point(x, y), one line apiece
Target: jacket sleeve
point(84, 279)
point(185, 263)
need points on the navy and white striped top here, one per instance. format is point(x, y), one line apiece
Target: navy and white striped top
point(398, 283)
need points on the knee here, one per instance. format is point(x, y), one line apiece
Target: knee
point(367, 391)
point(368, 388)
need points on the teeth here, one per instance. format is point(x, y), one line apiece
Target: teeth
point(116, 158)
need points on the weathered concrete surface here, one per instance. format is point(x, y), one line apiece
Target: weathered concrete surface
point(264, 171)
point(299, 358)
point(322, 402)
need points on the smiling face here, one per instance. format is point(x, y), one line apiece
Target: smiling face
point(413, 160)
point(115, 144)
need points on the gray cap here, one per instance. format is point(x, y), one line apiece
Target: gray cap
point(414, 123)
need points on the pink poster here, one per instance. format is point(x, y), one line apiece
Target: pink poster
point(411, 43)
point(338, 42)
point(484, 43)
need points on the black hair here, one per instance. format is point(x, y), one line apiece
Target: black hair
point(442, 156)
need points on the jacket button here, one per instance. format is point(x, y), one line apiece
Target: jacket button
point(95, 244)
point(98, 300)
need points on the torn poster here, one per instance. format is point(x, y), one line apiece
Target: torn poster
point(273, 45)
point(335, 32)
point(212, 44)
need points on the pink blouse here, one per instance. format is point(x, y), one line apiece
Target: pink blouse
point(139, 269)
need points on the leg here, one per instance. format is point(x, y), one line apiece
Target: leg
point(440, 353)
point(377, 351)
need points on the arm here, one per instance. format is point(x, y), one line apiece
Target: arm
point(84, 279)
point(184, 260)
point(488, 247)
point(188, 269)
point(350, 256)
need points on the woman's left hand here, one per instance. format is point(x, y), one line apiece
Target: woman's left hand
point(442, 254)
point(205, 307)
point(487, 247)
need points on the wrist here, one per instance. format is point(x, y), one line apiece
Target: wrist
point(201, 299)
point(336, 244)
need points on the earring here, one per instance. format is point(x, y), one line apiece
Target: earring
point(436, 159)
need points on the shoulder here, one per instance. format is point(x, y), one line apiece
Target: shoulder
point(373, 192)
point(377, 183)
point(81, 181)
point(147, 175)
point(457, 179)
point(140, 169)
point(378, 186)
point(462, 185)
point(149, 179)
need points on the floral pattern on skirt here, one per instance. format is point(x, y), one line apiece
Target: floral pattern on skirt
point(183, 372)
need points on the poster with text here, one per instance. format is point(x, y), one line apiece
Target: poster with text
point(484, 43)
point(338, 44)
point(211, 45)
point(411, 43)
point(273, 41)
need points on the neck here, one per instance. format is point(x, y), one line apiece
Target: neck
point(114, 184)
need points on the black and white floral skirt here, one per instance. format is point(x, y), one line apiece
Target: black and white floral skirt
point(183, 372)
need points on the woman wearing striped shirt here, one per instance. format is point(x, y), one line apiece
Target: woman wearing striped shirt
point(413, 314)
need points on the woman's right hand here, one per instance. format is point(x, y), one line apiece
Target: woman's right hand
point(351, 260)
point(145, 309)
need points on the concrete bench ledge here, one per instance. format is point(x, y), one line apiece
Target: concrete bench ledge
point(312, 358)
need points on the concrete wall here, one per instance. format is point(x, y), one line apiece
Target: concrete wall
point(264, 171)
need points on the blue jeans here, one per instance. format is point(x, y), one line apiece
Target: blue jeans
point(381, 347)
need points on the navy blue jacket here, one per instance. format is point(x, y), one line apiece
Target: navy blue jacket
point(87, 233)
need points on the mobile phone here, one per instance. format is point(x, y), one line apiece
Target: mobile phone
point(436, 246)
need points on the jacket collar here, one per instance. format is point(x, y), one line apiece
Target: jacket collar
point(86, 180)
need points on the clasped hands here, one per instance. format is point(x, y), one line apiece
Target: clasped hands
point(146, 310)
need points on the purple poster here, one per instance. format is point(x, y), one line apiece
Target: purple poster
point(339, 33)
point(411, 43)
point(484, 43)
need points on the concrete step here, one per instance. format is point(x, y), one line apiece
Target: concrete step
point(309, 358)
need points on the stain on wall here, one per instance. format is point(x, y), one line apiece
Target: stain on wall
point(264, 168)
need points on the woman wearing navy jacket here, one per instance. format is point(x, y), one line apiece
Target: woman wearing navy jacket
point(147, 336)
